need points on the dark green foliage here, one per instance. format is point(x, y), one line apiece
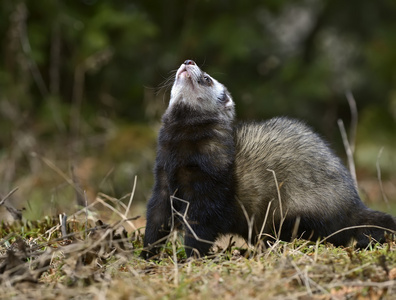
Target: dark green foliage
point(295, 57)
point(72, 72)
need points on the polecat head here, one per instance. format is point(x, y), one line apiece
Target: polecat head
point(197, 89)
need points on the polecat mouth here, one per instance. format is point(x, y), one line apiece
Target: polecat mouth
point(185, 76)
point(183, 71)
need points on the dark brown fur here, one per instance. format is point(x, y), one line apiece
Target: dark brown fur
point(212, 178)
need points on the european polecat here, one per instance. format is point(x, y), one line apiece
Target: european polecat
point(214, 178)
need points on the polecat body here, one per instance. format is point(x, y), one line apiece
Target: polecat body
point(213, 178)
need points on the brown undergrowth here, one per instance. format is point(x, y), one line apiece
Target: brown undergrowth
point(82, 257)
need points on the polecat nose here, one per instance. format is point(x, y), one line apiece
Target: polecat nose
point(189, 62)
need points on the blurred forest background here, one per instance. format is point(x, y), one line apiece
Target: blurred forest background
point(83, 85)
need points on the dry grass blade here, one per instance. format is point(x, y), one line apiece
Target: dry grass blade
point(250, 223)
point(278, 191)
point(355, 227)
point(102, 262)
point(8, 195)
point(348, 150)
point(103, 265)
point(265, 219)
point(354, 119)
point(117, 212)
point(184, 218)
point(131, 197)
point(377, 164)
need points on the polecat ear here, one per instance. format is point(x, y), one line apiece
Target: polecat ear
point(229, 101)
point(225, 99)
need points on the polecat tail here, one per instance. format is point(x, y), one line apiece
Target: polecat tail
point(376, 219)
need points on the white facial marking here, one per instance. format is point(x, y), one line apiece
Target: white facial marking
point(196, 88)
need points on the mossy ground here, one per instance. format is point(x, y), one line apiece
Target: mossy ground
point(100, 261)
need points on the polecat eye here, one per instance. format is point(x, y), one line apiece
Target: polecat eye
point(223, 98)
point(207, 79)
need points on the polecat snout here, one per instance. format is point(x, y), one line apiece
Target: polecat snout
point(214, 178)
